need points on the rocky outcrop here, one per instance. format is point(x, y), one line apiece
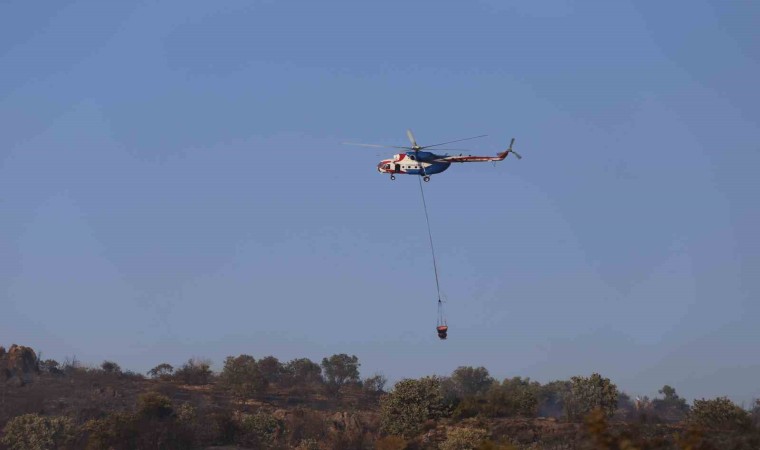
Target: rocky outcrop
point(18, 364)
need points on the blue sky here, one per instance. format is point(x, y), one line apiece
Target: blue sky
point(173, 184)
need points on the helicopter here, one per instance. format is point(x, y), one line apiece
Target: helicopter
point(416, 161)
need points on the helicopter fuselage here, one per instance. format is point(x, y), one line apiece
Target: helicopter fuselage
point(407, 164)
point(422, 163)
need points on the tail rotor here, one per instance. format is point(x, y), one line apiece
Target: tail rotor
point(509, 150)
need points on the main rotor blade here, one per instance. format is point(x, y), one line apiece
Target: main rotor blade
point(376, 145)
point(451, 142)
point(411, 138)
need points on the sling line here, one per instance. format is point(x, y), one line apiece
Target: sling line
point(441, 318)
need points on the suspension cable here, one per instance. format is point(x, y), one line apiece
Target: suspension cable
point(441, 319)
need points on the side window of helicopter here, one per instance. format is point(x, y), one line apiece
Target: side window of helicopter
point(411, 157)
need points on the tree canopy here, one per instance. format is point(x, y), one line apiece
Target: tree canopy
point(341, 369)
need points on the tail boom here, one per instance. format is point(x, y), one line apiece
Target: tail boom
point(469, 158)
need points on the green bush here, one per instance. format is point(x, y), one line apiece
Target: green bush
point(719, 413)
point(36, 432)
point(410, 404)
point(589, 393)
point(195, 372)
point(152, 405)
point(118, 431)
point(259, 430)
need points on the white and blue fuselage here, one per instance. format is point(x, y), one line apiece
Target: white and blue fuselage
point(427, 163)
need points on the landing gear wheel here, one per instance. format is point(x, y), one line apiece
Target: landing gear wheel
point(393, 177)
point(426, 178)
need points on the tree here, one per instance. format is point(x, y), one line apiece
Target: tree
point(341, 369)
point(671, 406)
point(241, 375)
point(35, 432)
point(551, 398)
point(303, 370)
point(410, 404)
point(50, 366)
point(110, 367)
point(589, 393)
point(374, 384)
point(471, 381)
point(514, 397)
point(719, 413)
point(755, 413)
point(271, 369)
point(161, 371)
point(194, 371)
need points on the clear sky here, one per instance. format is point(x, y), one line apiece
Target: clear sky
point(173, 184)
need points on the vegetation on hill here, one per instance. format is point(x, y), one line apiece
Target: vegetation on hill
point(300, 404)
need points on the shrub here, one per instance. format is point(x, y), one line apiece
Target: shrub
point(718, 413)
point(589, 393)
point(35, 432)
point(259, 430)
point(671, 407)
point(195, 372)
point(217, 428)
point(463, 439)
point(118, 431)
point(152, 405)
point(410, 404)
point(110, 367)
point(50, 366)
point(374, 384)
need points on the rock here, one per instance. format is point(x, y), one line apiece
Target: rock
point(347, 424)
point(18, 363)
point(280, 414)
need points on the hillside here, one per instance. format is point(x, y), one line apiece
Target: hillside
point(304, 405)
